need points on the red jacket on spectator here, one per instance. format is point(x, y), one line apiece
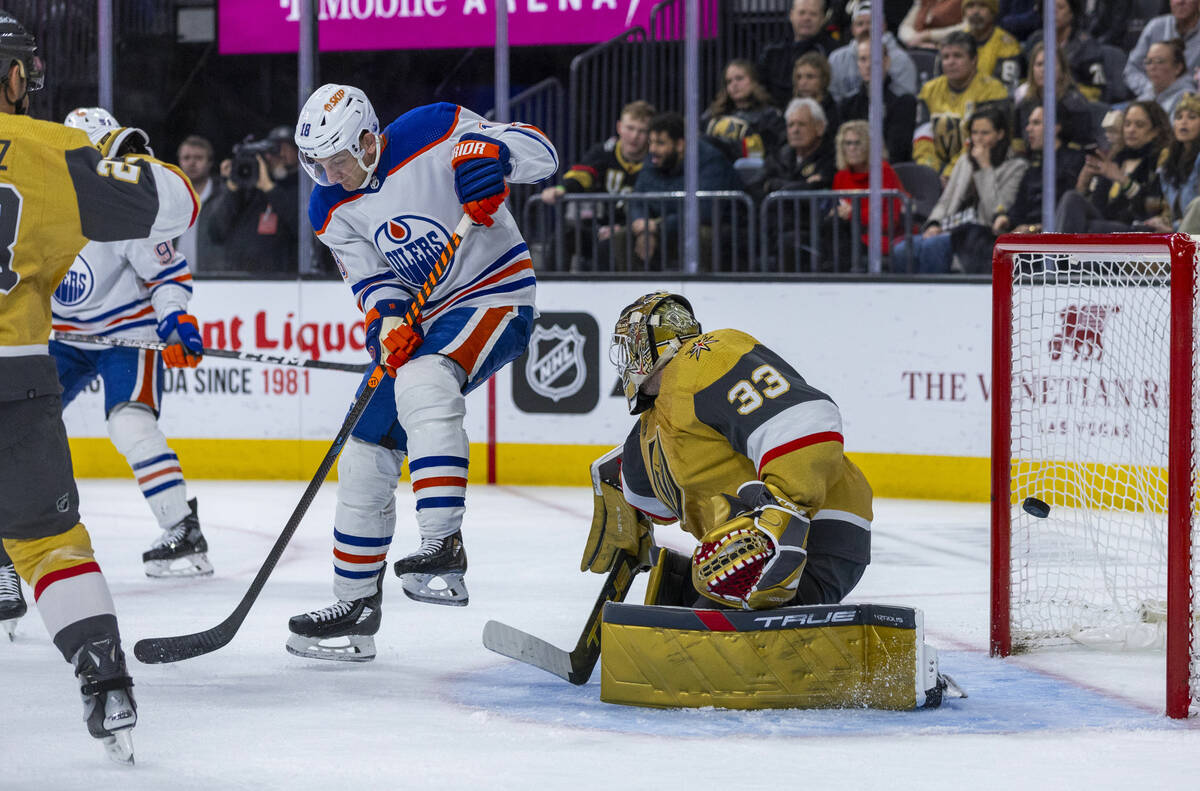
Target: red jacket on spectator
point(893, 211)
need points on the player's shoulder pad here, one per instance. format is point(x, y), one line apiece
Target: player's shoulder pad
point(416, 131)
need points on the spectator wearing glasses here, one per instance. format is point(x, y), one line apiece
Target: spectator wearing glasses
point(1168, 75)
point(1182, 23)
point(853, 173)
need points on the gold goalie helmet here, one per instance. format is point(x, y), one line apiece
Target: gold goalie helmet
point(755, 555)
point(648, 334)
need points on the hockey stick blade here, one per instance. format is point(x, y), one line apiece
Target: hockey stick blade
point(577, 664)
point(159, 650)
point(524, 647)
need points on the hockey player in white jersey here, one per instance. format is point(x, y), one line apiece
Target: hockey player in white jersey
point(386, 204)
point(139, 290)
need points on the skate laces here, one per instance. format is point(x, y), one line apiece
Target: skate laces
point(173, 536)
point(431, 546)
point(10, 583)
point(334, 611)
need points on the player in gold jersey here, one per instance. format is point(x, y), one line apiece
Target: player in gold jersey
point(747, 456)
point(56, 193)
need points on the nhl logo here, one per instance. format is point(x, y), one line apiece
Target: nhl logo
point(555, 367)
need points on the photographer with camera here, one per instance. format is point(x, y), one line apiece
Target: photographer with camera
point(256, 217)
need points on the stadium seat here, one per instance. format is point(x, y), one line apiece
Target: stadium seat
point(924, 184)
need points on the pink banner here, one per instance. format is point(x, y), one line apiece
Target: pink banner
point(255, 26)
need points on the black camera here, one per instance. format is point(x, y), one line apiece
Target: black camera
point(245, 161)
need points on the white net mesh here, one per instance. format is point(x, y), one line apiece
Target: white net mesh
point(1090, 405)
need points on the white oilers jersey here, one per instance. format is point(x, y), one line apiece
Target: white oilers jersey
point(387, 236)
point(122, 289)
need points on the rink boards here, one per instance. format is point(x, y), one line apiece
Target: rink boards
point(908, 364)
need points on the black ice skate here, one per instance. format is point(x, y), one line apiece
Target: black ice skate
point(106, 688)
point(434, 573)
point(180, 550)
point(343, 631)
point(12, 601)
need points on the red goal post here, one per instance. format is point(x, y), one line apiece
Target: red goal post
point(1094, 411)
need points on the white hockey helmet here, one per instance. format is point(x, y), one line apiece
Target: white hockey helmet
point(96, 121)
point(333, 120)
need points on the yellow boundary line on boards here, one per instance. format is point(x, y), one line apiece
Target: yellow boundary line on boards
point(891, 475)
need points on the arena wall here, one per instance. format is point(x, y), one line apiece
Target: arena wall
point(908, 364)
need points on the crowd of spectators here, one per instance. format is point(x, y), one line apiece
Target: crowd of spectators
point(963, 91)
point(962, 96)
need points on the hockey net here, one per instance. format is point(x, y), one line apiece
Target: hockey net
point(1094, 412)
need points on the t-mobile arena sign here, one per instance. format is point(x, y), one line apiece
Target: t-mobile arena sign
point(256, 26)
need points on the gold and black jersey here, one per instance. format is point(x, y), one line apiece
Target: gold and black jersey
point(730, 410)
point(56, 193)
point(603, 168)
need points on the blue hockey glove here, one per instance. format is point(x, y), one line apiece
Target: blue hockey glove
point(182, 332)
point(390, 341)
point(480, 164)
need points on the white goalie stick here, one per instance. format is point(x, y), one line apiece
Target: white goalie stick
point(250, 357)
point(577, 664)
point(157, 650)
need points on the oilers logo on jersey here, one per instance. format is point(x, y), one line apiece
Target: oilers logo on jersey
point(412, 244)
point(77, 285)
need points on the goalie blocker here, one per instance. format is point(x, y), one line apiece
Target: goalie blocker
point(822, 656)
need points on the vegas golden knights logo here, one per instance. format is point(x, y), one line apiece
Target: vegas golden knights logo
point(661, 479)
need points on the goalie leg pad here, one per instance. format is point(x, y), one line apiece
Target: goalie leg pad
point(616, 525)
point(365, 518)
point(134, 431)
point(829, 656)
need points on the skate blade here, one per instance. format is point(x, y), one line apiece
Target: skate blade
point(119, 746)
point(10, 628)
point(188, 566)
point(360, 648)
point(448, 589)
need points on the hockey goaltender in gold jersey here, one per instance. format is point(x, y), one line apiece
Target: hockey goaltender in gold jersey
point(737, 447)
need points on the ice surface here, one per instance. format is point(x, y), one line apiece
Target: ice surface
point(436, 707)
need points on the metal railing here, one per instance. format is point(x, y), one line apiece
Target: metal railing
point(800, 231)
point(603, 80)
point(543, 105)
point(728, 30)
point(591, 232)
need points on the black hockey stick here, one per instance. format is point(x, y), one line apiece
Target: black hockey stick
point(252, 357)
point(157, 650)
point(577, 664)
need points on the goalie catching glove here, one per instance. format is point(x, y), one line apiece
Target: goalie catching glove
point(754, 556)
point(616, 525)
point(480, 164)
point(390, 341)
point(181, 332)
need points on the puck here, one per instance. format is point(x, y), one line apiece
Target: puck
point(1035, 507)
